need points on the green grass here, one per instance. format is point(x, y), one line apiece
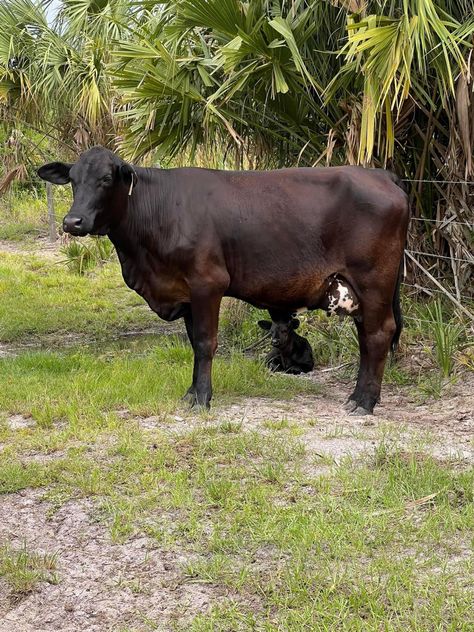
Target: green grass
point(381, 542)
point(378, 543)
point(24, 214)
point(23, 569)
point(81, 384)
point(40, 297)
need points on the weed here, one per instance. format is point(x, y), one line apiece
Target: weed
point(447, 335)
point(232, 427)
point(277, 424)
point(40, 298)
point(432, 385)
point(85, 255)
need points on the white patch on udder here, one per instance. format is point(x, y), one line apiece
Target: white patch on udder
point(340, 299)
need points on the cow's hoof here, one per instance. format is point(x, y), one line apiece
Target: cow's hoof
point(350, 405)
point(189, 398)
point(193, 400)
point(360, 412)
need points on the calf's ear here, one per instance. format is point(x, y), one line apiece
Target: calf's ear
point(265, 324)
point(295, 323)
point(55, 172)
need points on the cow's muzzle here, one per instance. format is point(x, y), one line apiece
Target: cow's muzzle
point(74, 225)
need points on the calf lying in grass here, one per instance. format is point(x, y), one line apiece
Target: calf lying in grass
point(291, 353)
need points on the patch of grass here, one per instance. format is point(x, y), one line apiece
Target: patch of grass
point(24, 214)
point(447, 336)
point(40, 297)
point(18, 231)
point(23, 569)
point(277, 424)
point(16, 475)
point(81, 385)
point(432, 385)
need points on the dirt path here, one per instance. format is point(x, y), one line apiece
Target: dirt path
point(443, 427)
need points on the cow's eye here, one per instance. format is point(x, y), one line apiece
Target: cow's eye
point(107, 178)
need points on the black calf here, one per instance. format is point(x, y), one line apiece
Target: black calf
point(291, 353)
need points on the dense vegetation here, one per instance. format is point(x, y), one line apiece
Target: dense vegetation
point(377, 82)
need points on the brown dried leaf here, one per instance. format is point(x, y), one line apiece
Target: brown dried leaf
point(463, 103)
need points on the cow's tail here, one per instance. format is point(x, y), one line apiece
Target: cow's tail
point(397, 310)
point(398, 181)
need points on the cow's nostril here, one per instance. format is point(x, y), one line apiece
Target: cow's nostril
point(71, 224)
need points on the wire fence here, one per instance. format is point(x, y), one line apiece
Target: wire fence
point(425, 264)
point(443, 222)
point(418, 180)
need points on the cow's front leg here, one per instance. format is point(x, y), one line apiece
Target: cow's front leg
point(205, 321)
point(190, 394)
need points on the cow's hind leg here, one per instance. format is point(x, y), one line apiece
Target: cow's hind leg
point(375, 332)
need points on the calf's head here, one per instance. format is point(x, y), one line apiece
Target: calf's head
point(281, 332)
point(101, 182)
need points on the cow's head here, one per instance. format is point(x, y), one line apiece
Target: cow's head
point(281, 332)
point(101, 182)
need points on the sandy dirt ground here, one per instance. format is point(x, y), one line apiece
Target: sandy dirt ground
point(106, 586)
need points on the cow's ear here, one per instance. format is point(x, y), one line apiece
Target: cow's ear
point(55, 172)
point(127, 173)
point(295, 323)
point(265, 324)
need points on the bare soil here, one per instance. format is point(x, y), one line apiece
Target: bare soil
point(102, 584)
point(40, 246)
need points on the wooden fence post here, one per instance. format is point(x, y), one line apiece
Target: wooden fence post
point(53, 235)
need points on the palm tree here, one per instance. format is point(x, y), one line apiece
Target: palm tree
point(54, 77)
point(261, 83)
point(376, 82)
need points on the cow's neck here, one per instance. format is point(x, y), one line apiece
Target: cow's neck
point(145, 221)
point(143, 240)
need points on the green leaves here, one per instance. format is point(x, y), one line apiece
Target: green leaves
point(400, 56)
point(251, 65)
point(56, 75)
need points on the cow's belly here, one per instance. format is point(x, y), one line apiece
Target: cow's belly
point(333, 294)
point(276, 293)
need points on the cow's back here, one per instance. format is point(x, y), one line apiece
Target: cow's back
point(286, 231)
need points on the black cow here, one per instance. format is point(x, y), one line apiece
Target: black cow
point(187, 237)
point(291, 353)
